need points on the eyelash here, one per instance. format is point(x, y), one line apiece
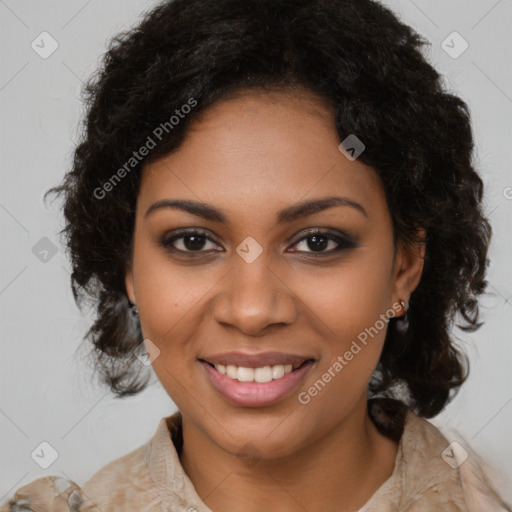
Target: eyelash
point(343, 241)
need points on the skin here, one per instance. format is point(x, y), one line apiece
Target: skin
point(251, 156)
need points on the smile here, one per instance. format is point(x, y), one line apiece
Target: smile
point(256, 386)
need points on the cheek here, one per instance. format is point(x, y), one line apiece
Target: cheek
point(349, 305)
point(166, 292)
point(349, 298)
point(168, 296)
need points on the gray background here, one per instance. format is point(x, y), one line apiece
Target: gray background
point(46, 388)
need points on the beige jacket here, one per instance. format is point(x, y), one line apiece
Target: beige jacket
point(430, 474)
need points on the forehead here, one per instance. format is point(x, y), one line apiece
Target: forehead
point(259, 152)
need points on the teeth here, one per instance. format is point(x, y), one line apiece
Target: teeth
point(277, 371)
point(231, 371)
point(263, 374)
point(245, 374)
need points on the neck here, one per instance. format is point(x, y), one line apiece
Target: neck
point(340, 471)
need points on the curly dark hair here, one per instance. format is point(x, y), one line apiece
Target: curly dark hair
point(368, 66)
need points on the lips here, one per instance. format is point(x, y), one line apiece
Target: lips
point(255, 380)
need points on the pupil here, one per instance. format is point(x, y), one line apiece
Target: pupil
point(194, 242)
point(319, 242)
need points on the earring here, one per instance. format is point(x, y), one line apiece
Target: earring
point(402, 322)
point(133, 308)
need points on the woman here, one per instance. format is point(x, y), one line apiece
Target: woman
point(274, 205)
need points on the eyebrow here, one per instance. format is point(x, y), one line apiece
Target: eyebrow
point(289, 214)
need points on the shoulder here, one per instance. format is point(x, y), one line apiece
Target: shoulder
point(444, 472)
point(128, 483)
point(123, 484)
point(48, 494)
point(431, 466)
point(433, 472)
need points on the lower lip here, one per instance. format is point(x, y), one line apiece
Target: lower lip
point(255, 394)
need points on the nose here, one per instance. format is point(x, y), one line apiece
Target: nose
point(253, 297)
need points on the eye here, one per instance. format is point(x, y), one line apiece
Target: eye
point(188, 241)
point(319, 240)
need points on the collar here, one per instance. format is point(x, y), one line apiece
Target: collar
point(418, 464)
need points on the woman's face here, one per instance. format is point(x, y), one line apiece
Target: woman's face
point(257, 281)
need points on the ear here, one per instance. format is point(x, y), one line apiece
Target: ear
point(129, 284)
point(408, 268)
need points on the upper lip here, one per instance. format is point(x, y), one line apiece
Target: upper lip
point(255, 360)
